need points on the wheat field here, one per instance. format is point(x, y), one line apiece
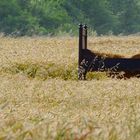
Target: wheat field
point(41, 98)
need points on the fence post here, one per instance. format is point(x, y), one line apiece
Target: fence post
point(80, 50)
point(82, 47)
point(80, 44)
point(85, 36)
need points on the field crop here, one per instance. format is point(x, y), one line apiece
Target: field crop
point(41, 98)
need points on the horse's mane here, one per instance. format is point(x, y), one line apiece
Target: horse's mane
point(107, 55)
point(136, 56)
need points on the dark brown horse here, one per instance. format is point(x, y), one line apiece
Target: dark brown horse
point(113, 64)
point(94, 61)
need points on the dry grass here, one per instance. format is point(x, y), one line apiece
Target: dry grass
point(127, 46)
point(41, 99)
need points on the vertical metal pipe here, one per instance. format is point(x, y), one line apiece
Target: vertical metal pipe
point(85, 36)
point(80, 44)
point(82, 47)
point(80, 51)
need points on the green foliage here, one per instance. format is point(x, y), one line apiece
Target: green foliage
point(128, 12)
point(55, 17)
point(49, 71)
point(41, 71)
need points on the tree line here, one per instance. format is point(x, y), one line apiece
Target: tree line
point(54, 17)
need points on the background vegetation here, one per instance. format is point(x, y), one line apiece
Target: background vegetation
point(56, 17)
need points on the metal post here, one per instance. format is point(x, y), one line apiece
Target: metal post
point(82, 47)
point(80, 43)
point(80, 51)
point(85, 37)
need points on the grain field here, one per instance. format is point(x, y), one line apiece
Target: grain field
point(41, 98)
